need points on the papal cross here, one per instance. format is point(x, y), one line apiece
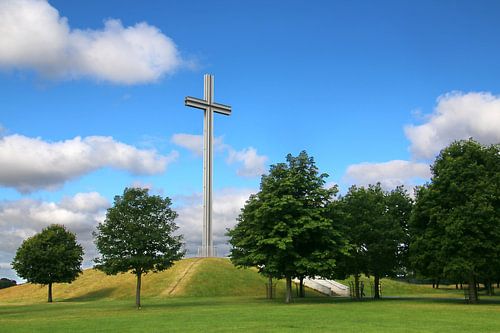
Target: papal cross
point(209, 106)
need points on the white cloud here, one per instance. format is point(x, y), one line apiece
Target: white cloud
point(227, 205)
point(29, 164)
point(254, 165)
point(85, 202)
point(153, 190)
point(194, 143)
point(389, 174)
point(35, 36)
point(456, 116)
point(23, 218)
point(5, 265)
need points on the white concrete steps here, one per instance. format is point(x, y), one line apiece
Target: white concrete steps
point(326, 287)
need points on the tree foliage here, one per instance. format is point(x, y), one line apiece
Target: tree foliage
point(51, 256)
point(284, 228)
point(456, 221)
point(6, 283)
point(138, 236)
point(375, 223)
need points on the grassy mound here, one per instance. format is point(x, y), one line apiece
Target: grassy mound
point(211, 277)
point(188, 277)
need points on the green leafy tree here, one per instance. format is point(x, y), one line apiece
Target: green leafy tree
point(426, 256)
point(375, 223)
point(399, 208)
point(456, 220)
point(284, 228)
point(137, 236)
point(51, 256)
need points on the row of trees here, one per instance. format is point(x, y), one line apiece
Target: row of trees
point(294, 227)
point(137, 236)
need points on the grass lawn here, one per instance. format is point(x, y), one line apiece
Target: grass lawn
point(250, 314)
point(211, 295)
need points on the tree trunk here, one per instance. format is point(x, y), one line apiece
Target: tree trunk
point(288, 293)
point(50, 293)
point(437, 284)
point(473, 299)
point(489, 287)
point(376, 286)
point(270, 288)
point(138, 291)
point(356, 286)
point(456, 285)
point(302, 293)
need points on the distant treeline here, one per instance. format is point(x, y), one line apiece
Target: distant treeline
point(5, 283)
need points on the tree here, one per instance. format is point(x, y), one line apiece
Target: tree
point(51, 256)
point(456, 220)
point(426, 256)
point(6, 283)
point(284, 229)
point(137, 236)
point(375, 224)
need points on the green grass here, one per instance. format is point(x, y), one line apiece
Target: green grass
point(402, 289)
point(231, 314)
point(211, 295)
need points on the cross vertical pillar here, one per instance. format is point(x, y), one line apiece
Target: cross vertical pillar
point(208, 136)
point(209, 106)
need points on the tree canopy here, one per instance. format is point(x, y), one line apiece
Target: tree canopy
point(456, 220)
point(51, 256)
point(375, 222)
point(138, 236)
point(284, 229)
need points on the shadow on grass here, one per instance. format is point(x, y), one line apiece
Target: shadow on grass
point(92, 296)
point(199, 301)
point(457, 300)
point(339, 300)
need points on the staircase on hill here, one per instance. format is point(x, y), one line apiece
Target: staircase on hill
point(326, 287)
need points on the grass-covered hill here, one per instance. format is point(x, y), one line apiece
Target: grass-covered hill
point(188, 277)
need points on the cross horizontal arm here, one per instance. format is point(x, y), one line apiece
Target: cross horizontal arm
point(203, 105)
point(196, 103)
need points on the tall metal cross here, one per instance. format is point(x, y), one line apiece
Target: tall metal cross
point(209, 106)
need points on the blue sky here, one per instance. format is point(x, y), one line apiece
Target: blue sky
point(93, 100)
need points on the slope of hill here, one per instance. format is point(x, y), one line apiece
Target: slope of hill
point(188, 277)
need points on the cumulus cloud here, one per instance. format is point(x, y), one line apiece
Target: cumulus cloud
point(35, 36)
point(23, 218)
point(227, 205)
point(389, 174)
point(253, 164)
point(456, 116)
point(29, 164)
